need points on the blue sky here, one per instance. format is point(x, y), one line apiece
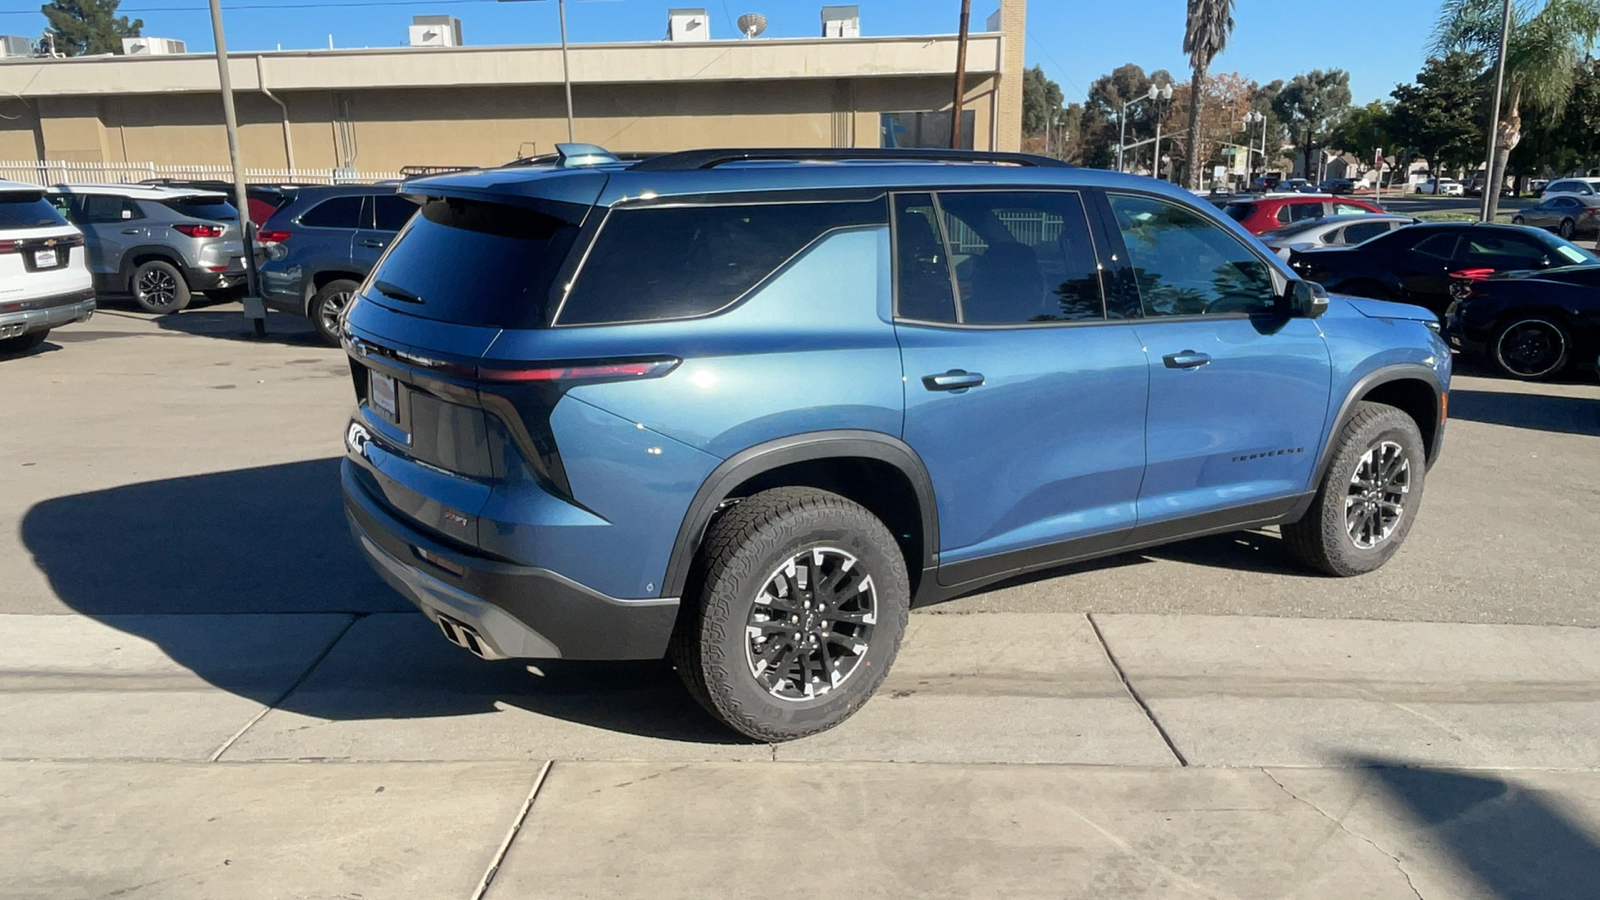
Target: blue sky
point(1075, 40)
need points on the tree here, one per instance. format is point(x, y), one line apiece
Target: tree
point(1205, 34)
point(1436, 118)
point(1546, 43)
point(87, 27)
point(1099, 128)
point(1041, 101)
point(1311, 104)
point(1364, 131)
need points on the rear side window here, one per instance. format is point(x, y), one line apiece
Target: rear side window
point(1022, 257)
point(1439, 246)
point(216, 209)
point(1299, 212)
point(476, 263)
point(393, 211)
point(1238, 211)
point(338, 212)
point(656, 263)
point(28, 210)
point(106, 208)
point(1362, 231)
point(1344, 209)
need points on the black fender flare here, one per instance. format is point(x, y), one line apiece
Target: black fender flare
point(815, 445)
point(165, 253)
point(1379, 376)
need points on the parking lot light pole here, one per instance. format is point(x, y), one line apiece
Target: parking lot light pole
point(1155, 92)
point(254, 309)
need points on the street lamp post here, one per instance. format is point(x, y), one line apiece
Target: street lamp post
point(1251, 118)
point(1155, 92)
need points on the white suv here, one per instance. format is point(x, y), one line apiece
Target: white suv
point(44, 281)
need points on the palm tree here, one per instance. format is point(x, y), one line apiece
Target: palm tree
point(1210, 23)
point(1547, 42)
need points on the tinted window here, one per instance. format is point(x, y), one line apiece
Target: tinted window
point(1187, 265)
point(1362, 231)
point(1565, 202)
point(1300, 211)
point(1501, 251)
point(28, 210)
point(1022, 257)
point(393, 211)
point(1439, 246)
point(1238, 211)
point(475, 263)
point(1341, 209)
point(338, 212)
point(922, 268)
point(104, 208)
point(216, 209)
point(676, 262)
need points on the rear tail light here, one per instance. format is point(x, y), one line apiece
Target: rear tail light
point(1472, 274)
point(272, 237)
point(200, 231)
point(9, 247)
point(640, 369)
point(1592, 211)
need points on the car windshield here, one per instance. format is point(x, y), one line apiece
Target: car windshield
point(1238, 211)
point(28, 209)
point(217, 209)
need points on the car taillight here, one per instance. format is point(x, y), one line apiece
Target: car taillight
point(8, 247)
point(1472, 274)
point(642, 369)
point(1592, 211)
point(200, 231)
point(272, 237)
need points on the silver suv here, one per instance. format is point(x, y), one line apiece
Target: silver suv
point(159, 244)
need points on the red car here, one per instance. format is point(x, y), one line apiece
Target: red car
point(1261, 215)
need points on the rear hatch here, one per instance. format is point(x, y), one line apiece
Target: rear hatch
point(441, 424)
point(41, 255)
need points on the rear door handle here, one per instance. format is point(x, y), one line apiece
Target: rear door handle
point(375, 245)
point(1188, 359)
point(955, 381)
point(131, 231)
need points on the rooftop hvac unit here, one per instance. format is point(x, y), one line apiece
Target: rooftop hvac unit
point(841, 21)
point(13, 46)
point(152, 46)
point(688, 25)
point(435, 31)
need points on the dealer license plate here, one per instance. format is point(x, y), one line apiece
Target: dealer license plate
point(45, 259)
point(383, 398)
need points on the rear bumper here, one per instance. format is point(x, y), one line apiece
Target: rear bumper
point(45, 312)
point(511, 610)
point(207, 280)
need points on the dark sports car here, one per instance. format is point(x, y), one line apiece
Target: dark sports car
point(1530, 325)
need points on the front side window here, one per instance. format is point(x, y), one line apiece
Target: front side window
point(1344, 209)
point(1504, 252)
point(1186, 265)
point(653, 263)
point(337, 212)
point(1022, 257)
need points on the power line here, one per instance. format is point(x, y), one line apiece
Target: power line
point(1037, 45)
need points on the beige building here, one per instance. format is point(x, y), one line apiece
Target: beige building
point(375, 111)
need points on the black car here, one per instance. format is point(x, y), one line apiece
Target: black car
point(1531, 325)
point(1337, 186)
point(1419, 263)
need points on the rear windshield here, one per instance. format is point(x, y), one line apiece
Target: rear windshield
point(1238, 211)
point(28, 209)
point(476, 263)
point(217, 209)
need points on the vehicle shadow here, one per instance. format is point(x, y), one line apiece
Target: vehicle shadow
point(49, 346)
point(191, 564)
point(1517, 843)
point(228, 323)
point(1540, 412)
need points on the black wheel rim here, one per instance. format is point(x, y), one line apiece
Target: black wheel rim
point(1531, 348)
point(811, 624)
point(1565, 228)
point(157, 288)
point(1376, 500)
point(332, 308)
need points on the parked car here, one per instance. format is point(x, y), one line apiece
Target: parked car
point(568, 443)
point(158, 244)
point(1337, 186)
point(1264, 183)
point(1474, 188)
point(1332, 231)
point(1295, 186)
point(1262, 215)
point(322, 244)
point(1418, 263)
point(1536, 186)
point(264, 199)
point(44, 282)
point(1569, 215)
point(1443, 187)
point(1576, 187)
point(1530, 325)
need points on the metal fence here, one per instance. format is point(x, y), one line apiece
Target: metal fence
point(48, 172)
point(1031, 228)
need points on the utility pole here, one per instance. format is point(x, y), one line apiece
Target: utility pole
point(1490, 183)
point(254, 309)
point(961, 76)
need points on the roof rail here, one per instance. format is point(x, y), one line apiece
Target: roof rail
point(710, 159)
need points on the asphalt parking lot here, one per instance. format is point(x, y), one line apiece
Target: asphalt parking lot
point(207, 693)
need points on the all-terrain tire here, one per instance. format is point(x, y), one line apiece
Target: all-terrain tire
point(745, 548)
point(1324, 538)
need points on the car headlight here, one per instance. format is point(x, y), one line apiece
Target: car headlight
point(1433, 324)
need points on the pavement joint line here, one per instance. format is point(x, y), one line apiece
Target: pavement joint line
point(1339, 823)
point(287, 691)
point(511, 834)
point(1134, 694)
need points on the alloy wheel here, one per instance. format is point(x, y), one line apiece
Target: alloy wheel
point(811, 624)
point(157, 288)
point(1375, 501)
point(1565, 229)
point(331, 309)
point(1531, 348)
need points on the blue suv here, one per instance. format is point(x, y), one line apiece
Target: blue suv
point(742, 408)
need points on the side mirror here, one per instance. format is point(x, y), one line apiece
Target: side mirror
point(1306, 299)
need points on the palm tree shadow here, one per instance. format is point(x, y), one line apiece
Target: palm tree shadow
point(199, 565)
